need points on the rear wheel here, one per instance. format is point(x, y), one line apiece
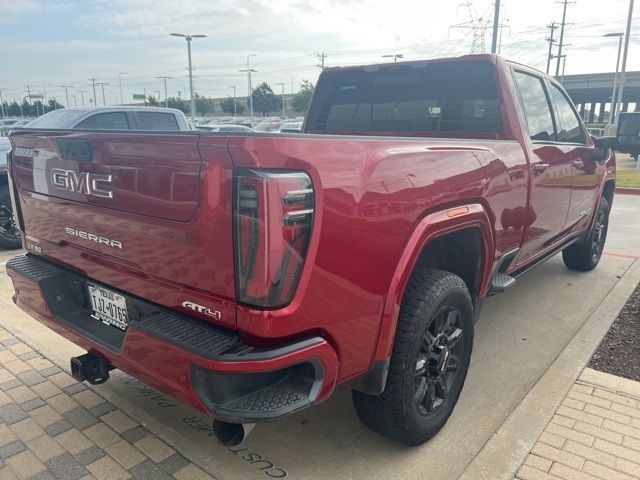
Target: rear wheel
point(9, 233)
point(584, 256)
point(429, 361)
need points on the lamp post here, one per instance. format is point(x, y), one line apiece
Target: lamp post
point(166, 99)
point(291, 83)
point(82, 92)
point(395, 56)
point(2, 102)
point(282, 85)
point(120, 84)
point(66, 93)
point(234, 100)
point(612, 113)
point(249, 70)
point(188, 38)
point(623, 69)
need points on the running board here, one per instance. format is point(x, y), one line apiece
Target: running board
point(500, 282)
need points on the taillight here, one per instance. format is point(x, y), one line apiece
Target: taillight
point(273, 216)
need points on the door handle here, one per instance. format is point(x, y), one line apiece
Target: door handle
point(578, 163)
point(540, 167)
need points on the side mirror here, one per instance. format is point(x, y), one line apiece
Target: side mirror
point(606, 143)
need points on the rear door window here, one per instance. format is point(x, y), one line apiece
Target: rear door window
point(106, 121)
point(569, 127)
point(432, 98)
point(158, 121)
point(535, 106)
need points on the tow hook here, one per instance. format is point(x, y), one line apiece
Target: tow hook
point(231, 434)
point(90, 368)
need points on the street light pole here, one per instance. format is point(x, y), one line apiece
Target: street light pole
point(291, 83)
point(234, 100)
point(93, 84)
point(282, 85)
point(82, 92)
point(249, 70)
point(623, 70)
point(120, 84)
point(188, 38)
point(395, 56)
point(612, 113)
point(166, 99)
point(2, 102)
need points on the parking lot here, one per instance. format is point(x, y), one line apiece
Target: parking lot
point(518, 337)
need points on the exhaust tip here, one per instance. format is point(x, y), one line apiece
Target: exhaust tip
point(231, 434)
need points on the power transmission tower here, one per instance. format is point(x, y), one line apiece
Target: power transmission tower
point(321, 56)
point(562, 25)
point(476, 25)
point(552, 27)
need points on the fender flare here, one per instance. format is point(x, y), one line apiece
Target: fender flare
point(428, 228)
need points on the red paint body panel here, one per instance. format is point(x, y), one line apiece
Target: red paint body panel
point(377, 202)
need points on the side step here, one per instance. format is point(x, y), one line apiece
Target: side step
point(501, 281)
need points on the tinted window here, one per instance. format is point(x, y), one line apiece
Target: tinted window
point(433, 98)
point(106, 121)
point(535, 106)
point(157, 121)
point(56, 119)
point(569, 128)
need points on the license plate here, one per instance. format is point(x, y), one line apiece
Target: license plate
point(108, 307)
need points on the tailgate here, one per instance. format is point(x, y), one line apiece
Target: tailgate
point(146, 213)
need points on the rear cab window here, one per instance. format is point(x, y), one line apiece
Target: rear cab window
point(429, 99)
point(106, 121)
point(157, 121)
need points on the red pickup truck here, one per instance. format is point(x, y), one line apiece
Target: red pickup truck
point(249, 274)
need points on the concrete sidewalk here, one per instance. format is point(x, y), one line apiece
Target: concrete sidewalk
point(594, 434)
point(53, 427)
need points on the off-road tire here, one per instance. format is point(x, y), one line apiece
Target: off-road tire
point(7, 240)
point(584, 255)
point(395, 413)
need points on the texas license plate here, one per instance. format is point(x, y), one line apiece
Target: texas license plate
point(108, 307)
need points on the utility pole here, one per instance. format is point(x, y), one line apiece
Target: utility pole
point(120, 84)
point(166, 100)
point(562, 25)
point(282, 85)
point(321, 56)
point(496, 24)
point(234, 99)
point(552, 26)
point(2, 102)
point(250, 70)
point(66, 93)
point(29, 93)
point(93, 84)
point(82, 92)
point(102, 84)
point(291, 83)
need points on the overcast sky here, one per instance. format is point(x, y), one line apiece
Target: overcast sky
point(48, 43)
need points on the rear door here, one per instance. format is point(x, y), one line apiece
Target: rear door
point(587, 173)
point(552, 169)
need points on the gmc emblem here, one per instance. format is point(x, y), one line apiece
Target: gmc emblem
point(87, 183)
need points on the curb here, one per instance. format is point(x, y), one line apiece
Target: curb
point(502, 455)
point(627, 191)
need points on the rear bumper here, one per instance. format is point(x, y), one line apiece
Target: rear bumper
point(187, 359)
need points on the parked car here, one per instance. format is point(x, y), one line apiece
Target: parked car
point(629, 133)
point(268, 126)
point(9, 233)
point(8, 125)
point(248, 276)
point(114, 118)
point(290, 127)
point(224, 127)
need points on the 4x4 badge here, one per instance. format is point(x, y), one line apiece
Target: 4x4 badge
point(202, 309)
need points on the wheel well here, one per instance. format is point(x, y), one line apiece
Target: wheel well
point(459, 252)
point(607, 193)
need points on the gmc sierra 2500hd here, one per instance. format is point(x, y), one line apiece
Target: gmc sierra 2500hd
point(249, 274)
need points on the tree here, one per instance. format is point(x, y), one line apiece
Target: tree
point(152, 101)
point(54, 104)
point(204, 105)
point(264, 100)
point(300, 100)
point(228, 107)
point(180, 104)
